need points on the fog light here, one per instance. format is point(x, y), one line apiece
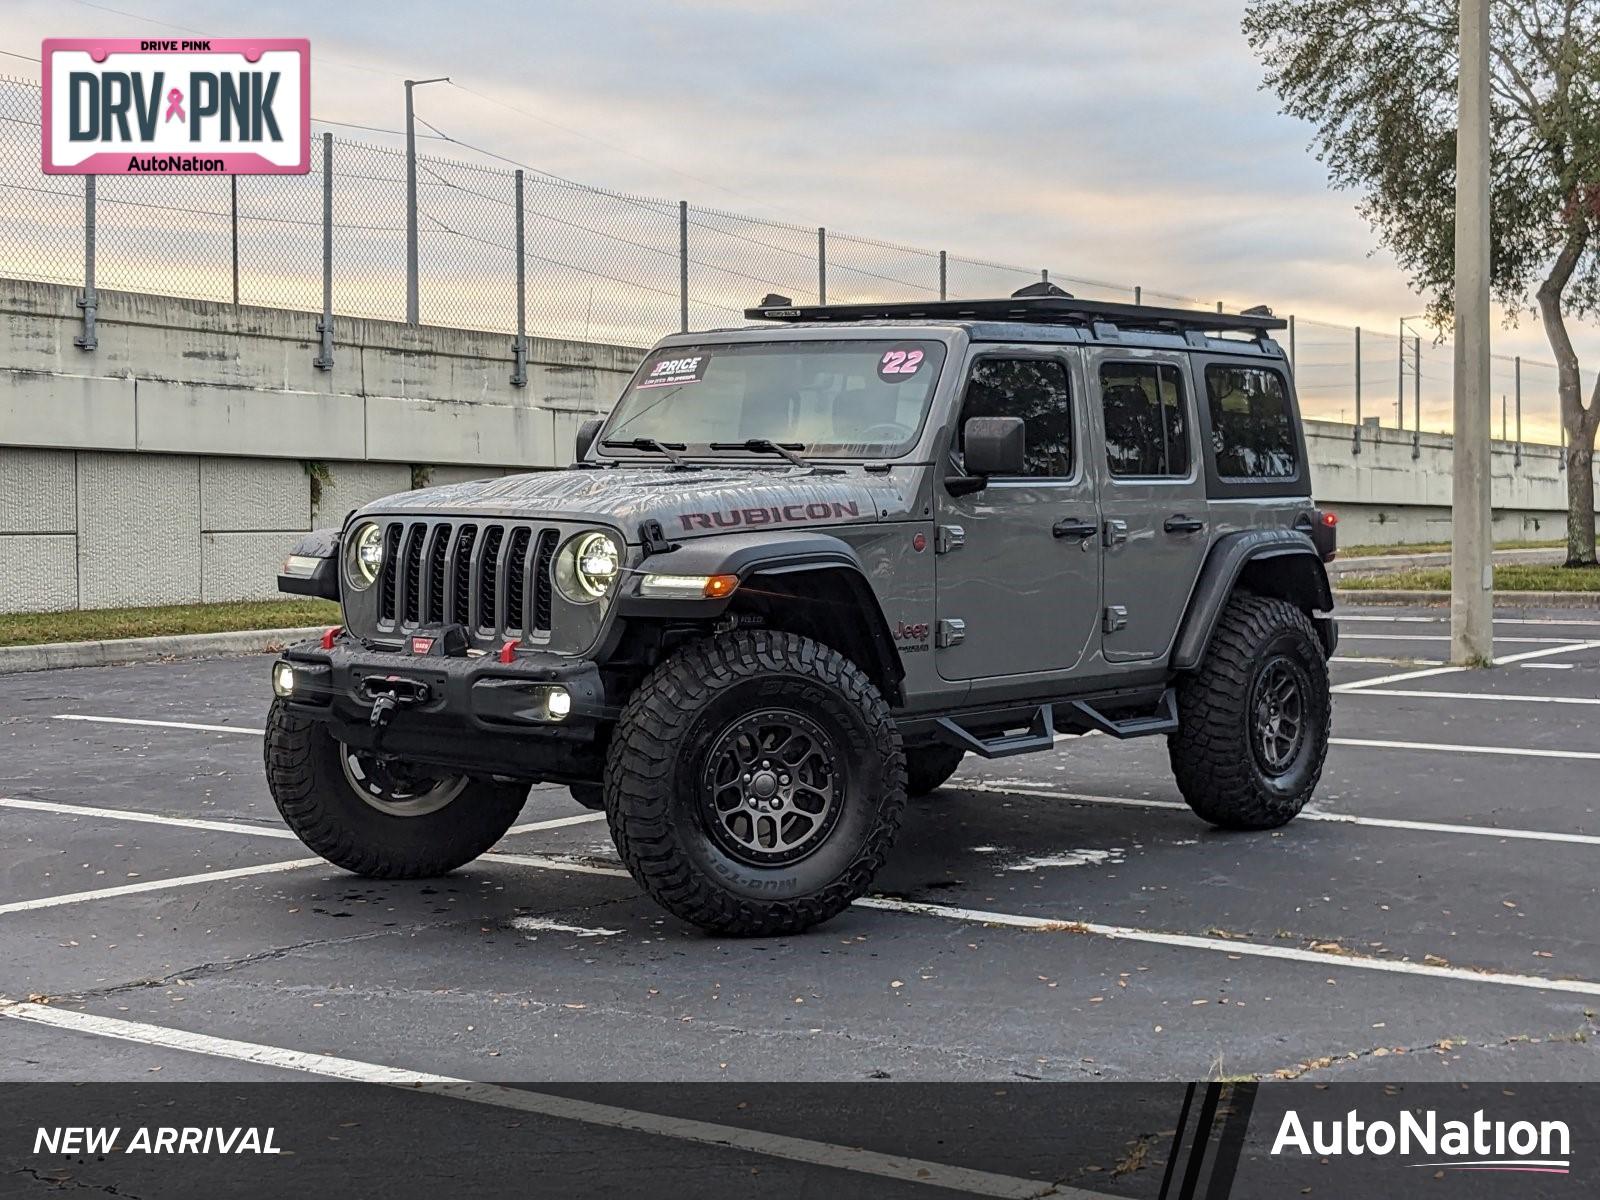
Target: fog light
point(282, 679)
point(558, 704)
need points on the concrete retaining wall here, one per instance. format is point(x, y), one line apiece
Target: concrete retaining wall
point(180, 459)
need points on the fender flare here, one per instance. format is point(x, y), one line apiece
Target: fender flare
point(776, 555)
point(1220, 575)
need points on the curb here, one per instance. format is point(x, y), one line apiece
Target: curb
point(51, 656)
point(1384, 564)
point(1372, 597)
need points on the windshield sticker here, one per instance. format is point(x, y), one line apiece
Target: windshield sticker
point(899, 364)
point(671, 372)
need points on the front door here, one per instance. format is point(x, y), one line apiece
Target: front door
point(1152, 498)
point(1018, 568)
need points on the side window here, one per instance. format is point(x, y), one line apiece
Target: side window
point(1147, 429)
point(1252, 431)
point(1035, 389)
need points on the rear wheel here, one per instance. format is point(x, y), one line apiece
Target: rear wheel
point(755, 783)
point(928, 767)
point(1254, 719)
point(380, 817)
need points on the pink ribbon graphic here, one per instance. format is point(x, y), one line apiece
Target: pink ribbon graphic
point(175, 105)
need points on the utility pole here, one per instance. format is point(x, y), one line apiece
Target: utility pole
point(411, 199)
point(1471, 547)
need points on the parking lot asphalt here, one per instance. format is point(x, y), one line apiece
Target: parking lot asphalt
point(1058, 916)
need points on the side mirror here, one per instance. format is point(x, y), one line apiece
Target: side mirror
point(587, 432)
point(995, 446)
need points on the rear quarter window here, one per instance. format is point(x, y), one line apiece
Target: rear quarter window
point(1252, 428)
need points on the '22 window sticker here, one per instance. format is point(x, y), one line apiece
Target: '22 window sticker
point(900, 364)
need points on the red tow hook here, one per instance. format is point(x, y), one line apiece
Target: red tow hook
point(508, 652)
point(329, 634)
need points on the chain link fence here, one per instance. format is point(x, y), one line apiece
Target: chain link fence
point(596, 265)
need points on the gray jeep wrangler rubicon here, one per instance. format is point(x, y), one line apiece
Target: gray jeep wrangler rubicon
point(800, 572)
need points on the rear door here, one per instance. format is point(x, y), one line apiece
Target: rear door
point(1018, 568)
point(1153, 497)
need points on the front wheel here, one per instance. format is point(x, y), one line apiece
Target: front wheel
point(755, 783)
point(380, 817)
point(1254, 719)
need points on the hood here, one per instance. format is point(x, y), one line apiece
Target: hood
point(687, 503)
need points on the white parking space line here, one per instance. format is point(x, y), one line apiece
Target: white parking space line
point(554, 823)
point(1388, 662)
point(1458, 748)
point(705, 1133)
point(1445, 637)
point(157, 885)
point(1521, 835)
point(1117, 932)
point(1231, 947)
point(1416, 620)
point(124, 814)
point(162, 724)
point(1505, 660)
point(1504, 697)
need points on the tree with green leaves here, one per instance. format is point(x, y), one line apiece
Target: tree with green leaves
point(1378, 81)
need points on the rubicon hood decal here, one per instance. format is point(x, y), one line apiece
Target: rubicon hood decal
point(686, 503)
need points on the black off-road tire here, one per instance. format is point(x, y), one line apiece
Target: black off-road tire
point(590, 795)
point(928, 767)
point(657, 803)
point(1215, 756)
point(319, 804)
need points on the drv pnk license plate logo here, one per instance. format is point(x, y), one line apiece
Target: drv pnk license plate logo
point(206, 106)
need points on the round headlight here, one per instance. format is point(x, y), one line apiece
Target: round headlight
point(593, 563)
point(365, 557)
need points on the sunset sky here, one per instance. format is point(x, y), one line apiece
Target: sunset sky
point(1121, 142)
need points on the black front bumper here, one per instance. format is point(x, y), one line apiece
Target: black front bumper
point(474, 716)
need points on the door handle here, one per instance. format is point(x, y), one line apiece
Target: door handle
point(1179, 523)
point(1071, 527)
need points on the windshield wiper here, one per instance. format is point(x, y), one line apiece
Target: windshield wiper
point(667, 450)
point(766, 446)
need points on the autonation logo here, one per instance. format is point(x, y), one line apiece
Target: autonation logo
point(1476, 1145)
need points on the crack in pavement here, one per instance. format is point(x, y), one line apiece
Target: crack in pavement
point(1578, 1037)
point(61, 1182)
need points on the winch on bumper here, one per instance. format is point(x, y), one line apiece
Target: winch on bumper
point(534, 716)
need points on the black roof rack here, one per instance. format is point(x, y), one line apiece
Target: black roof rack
point(1039, 310)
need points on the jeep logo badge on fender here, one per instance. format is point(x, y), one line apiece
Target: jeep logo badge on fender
point(206, 106)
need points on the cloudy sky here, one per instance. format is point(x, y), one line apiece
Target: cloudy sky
point(1120, 141)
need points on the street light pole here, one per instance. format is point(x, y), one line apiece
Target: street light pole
point(1471, 551)
point(411, 199)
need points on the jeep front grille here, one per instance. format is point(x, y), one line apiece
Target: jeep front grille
point(493, 577)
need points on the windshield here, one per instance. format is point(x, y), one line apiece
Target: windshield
point(847, 398)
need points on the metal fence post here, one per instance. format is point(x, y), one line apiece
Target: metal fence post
point(1355, 443)
point(822, 265)
point(1138, 294)
point(519, 347)
point(325, 323)
point(1044, 274)
point(1516, 459)
point(89, 301)
point(944, 276)
point(683, 266)
point(233, 195)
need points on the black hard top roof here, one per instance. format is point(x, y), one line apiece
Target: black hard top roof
point(1038, 310)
